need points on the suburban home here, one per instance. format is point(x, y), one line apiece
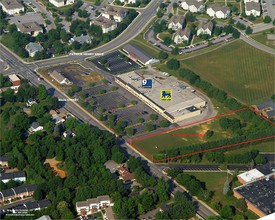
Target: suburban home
point(205, 28)
point(253, 8)
point(57, 117)
point(32, 206)
point(182, 36)
point(138, 55)
point(267, 109)
point(11, 7)
point(19, 176)
point(193, 6)
point(60, 3)
point(93, 205)
point(35, 126)
point(218, 11)
point(106, 24)
point(245, 1)
point(176, 22)
point(125, 175)
point(115, 13)
point(128, 1)
point(15, 80)
point(58, 77)
point(81, 39)
point(32, 48)
point(68, 133)
point(30, 102)
point(4, 160)
point(17, 192)
point(32, 28)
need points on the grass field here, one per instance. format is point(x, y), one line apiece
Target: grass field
point(262, 38)
point(156, 144)
point(267, 147)
point(238, 69)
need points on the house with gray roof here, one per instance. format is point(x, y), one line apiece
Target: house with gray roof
point(17, 192)
point(218, 11)
point(115, 13)
point(193, 6)
point(4, 160)
point(137, 54)
point(267, 109)
point(176, 22)
point(106, 24)
point(205, 28)
point(81, 39)
point(182, 35)
point(11, 7)
point(35, 126)
point(32, 48)
point(32, 28)
point(58, 77)
point(32, 206)
point(253, 8)
point(18, 176)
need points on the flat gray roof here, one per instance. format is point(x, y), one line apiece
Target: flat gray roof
point(137, 53)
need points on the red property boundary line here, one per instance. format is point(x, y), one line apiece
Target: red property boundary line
point(132, 142)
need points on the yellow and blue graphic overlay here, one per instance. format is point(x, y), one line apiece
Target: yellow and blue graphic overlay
point(165, 95)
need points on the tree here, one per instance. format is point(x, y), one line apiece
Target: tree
point(153, 117)
point(149, 127)
point(130, 131)
point(236, 34)
point(140, 120)
point(260, 159)
point(175, 50)
point(163, 55)
point(38, 110)
point(159, 13)
point(164, 123)
point(273, 22)
point(267, 19)
point(173, 64)
point(162, 190)
point(248, 30)
point(133, 163)
point(209, 133)
point(167, 40)
point(226, 212)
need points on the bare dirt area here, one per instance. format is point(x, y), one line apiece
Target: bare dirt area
point(53, 164)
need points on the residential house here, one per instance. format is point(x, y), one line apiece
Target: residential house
point(267, 109)
point(30, 102)
point(205, 28)
point(32, 28)
point(18, 176)
point(11, 7)
point(128, 1)
point(4, 160)
point(106, 24)
point(32, 206)
point(81, 39)
point(60, 3)
point(115, 13)
point(253, 8)
point(35, 126)
point(57, 117)
point(138, 55)
point(218, 11)
point(125, 175)
point(193, 6)
point(15, 80)
point(32, 48)
point(176, 22)
point(182, 36)
point(58, 77)
point(68, 133)
point(17, 192)
point(93, 205)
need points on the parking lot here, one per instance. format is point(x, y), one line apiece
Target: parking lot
point(116, 63)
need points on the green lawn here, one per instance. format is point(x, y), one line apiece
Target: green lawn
point(156, 144)
point(262, 147)
point(262, 38)
point(239, 69)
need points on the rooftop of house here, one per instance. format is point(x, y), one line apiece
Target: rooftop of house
point(11, 4)
point(196, 3)
point(92, 201)
point(35, 125)
point(82, 38)
point(253, 6)
point(111, 165)
point(111, 10)
point(29, 27)
point(137, 52)
point(266, 105)
point(125, 174)
point(13, 77)
point(183, 32)
point(177, 19)
point(104, 22)
point(206, 25)
point(18, 190)
point(33, 47)
point(4, 158)
point(260, 193)
point(12, 175)
point(218, 7)
point(57, 76)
